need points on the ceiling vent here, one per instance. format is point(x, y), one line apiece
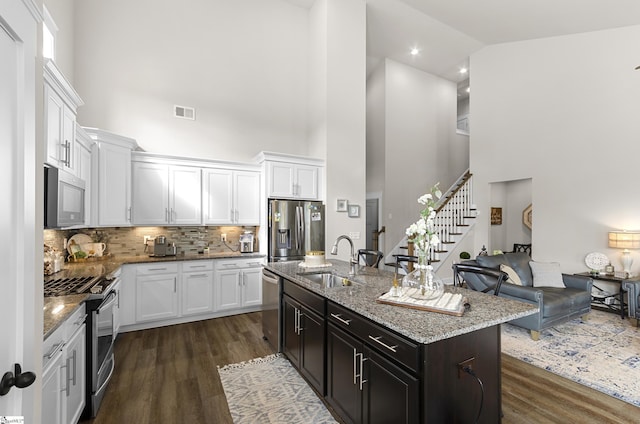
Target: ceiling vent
point(184, 112)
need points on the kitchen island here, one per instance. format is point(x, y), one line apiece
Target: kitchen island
point(374, 362)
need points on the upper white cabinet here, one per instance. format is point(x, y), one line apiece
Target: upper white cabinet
point(111, 178)
point(231, 197)
point(292, 177)
point(83, 147)
point(165, 194)
point(61, 102)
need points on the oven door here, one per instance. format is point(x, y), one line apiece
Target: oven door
point(103, 338)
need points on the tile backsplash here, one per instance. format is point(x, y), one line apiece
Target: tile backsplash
point(129, 241)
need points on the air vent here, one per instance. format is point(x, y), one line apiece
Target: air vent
point(184, 112)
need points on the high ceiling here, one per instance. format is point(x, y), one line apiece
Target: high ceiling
point(446, 32)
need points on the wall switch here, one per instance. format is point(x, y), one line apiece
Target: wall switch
point(147, 238)
point(354, 235)
point(223, 237)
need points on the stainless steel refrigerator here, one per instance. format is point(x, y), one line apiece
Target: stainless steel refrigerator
point(295, 227)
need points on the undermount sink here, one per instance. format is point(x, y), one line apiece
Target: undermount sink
point(327, 279)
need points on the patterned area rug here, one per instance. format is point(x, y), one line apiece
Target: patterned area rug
point(269, 390)
point(602, 353)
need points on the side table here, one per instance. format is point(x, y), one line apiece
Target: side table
point(602, 302)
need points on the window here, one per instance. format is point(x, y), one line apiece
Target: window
point(49, 31)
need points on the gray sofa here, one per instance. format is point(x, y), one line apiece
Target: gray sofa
point(633, 298)
point(557, 305)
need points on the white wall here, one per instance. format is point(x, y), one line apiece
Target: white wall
point(564, 112)
point(419, 140)
point(243, 64)
point(339, 110)
point(513, 197)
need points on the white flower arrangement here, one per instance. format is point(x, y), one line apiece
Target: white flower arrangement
point(422, 232)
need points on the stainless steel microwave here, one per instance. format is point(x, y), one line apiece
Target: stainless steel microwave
point(63, 199)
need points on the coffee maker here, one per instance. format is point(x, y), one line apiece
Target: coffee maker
point(161, 247)
point(246, 242)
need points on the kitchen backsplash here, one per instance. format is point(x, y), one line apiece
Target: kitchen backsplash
point(128, 241)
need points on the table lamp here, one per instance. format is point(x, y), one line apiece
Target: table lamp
point(625, 240)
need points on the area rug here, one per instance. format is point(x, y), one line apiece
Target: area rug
point(602, 353)
point(270, 390)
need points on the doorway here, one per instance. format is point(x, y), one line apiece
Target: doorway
point(371, 238)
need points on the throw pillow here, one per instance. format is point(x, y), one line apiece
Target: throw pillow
point(546, 274)
point(513, 275)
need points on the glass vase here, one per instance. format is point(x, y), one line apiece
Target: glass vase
point(421, 283)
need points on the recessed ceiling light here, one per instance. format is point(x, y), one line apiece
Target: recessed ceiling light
point(463, 70)
point(414, 51)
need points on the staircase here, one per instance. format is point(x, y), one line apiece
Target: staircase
point(455, 215)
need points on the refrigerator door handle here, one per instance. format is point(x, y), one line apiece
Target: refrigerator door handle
point(299, 226)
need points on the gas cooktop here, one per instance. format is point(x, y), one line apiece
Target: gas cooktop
point(69, 285)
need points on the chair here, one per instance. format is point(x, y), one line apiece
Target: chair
point(633, 297)
point(519, 247)
point(371, 258)
point(459, 271)
point(556, 304)
point(403, 261)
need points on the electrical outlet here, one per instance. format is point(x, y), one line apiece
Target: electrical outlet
point(223, 237)
point(354, 235)
point(147, 238)
point(462, 365)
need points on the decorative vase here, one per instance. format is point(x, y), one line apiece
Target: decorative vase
point(421, 283)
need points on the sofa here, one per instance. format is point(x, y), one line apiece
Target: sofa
point(633, 298)
point(560, 297)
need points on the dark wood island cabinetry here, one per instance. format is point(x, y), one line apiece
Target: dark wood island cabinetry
point(376, 363)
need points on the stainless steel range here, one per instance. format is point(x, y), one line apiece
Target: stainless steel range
point(102, 306)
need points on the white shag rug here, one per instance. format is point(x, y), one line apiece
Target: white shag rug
point(270, 390)
point(602, 353)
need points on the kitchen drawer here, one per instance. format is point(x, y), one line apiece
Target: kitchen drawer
point(222, 264)
point(200, 265)
point(57, 340)
point(157, 268)
point(382, 340)
point(311, 300)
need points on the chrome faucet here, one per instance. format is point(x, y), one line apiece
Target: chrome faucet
point(354, 259)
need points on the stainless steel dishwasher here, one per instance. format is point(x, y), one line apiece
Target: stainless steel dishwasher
point(271, 289)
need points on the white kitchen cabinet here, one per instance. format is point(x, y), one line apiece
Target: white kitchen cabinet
point(111, 178)
point(53, 404)
point(166, 194)
point(231, 197)
point(197, 287)
point(288, 180)
point(75, 375)
point(83, 147)
point(64, 368)
point(61, 102)
point(237, 283)
point(156, 292)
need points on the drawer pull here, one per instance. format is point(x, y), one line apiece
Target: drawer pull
point(54, 350)
point(157, 269)
point(342, 320)
point(377, 340)
point(80, 321)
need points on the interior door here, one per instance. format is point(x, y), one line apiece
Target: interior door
point(17, 210)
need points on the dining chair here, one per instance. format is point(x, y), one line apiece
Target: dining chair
point(371, 258)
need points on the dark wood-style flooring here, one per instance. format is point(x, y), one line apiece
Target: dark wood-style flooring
point(168, 375)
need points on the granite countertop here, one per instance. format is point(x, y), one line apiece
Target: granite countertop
point(420, 326)
point(57, 309)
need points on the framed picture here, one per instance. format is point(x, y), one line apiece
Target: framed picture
point(354, 211)
point(341, 205)
point(496, 216)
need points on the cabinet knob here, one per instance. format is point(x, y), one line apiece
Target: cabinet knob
point(17, 378)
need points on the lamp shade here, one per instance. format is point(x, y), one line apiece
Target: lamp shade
point(624, 239)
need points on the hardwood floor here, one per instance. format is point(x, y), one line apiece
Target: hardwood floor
point(168, 375)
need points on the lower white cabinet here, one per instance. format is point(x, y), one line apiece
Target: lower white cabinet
point(156, 292)
point(171, 292)
point(64, 371)
point(237, 283)
point(197, 287)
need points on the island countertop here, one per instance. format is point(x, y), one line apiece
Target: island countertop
point(421, 326)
